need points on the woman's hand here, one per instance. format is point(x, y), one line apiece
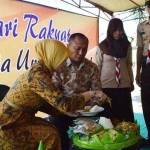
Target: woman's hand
point(138, 79)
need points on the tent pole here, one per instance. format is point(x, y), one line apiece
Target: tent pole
point(101, 7)
point(98, 20)
point(134, 3)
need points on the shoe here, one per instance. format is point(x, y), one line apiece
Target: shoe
point(147, 142)
point(144, 143)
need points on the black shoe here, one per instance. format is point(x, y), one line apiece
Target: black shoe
point(144, 143)
point(147, 142)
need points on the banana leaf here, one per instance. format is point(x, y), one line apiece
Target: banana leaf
point(95, 143)
point(41, 146)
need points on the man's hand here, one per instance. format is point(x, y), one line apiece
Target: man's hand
point(138, 79)
point(132, 87)
point(139, 65)
point(88, 95)
point(96, 97)
point(102, 98)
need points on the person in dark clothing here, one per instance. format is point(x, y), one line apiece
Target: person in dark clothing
point(143, 66)
point(3, 91)
point(77, 75)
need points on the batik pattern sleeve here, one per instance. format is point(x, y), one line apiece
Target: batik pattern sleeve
point(40, 82)
point(95, 78)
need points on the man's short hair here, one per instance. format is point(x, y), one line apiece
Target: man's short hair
point(147, 3)
point(79, 35)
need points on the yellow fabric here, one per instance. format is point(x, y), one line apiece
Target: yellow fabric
point(51, 52)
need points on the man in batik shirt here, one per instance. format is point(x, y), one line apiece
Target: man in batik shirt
point(80, 75)
point(76, 75)
point(143, 66)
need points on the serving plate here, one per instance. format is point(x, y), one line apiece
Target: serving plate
point(88, 113)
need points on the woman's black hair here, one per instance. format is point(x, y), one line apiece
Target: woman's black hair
point(108, 44)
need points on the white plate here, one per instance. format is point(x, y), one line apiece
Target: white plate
point(83, 113)
point(88, 114)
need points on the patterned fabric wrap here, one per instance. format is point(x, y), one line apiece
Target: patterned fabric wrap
point(117, 60)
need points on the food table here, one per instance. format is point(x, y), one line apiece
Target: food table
point(89, 134)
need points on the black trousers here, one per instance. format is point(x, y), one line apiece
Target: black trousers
point(145, 98)
point(145, 93)
point(121, 103)
point(62, 123)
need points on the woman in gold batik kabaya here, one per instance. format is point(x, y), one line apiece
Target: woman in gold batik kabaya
point(20, 129)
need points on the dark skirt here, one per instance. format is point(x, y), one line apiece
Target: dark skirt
point(121, 103)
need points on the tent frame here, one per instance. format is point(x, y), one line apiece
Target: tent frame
point(80, 6)
point(84, 8)
point(108, 11)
